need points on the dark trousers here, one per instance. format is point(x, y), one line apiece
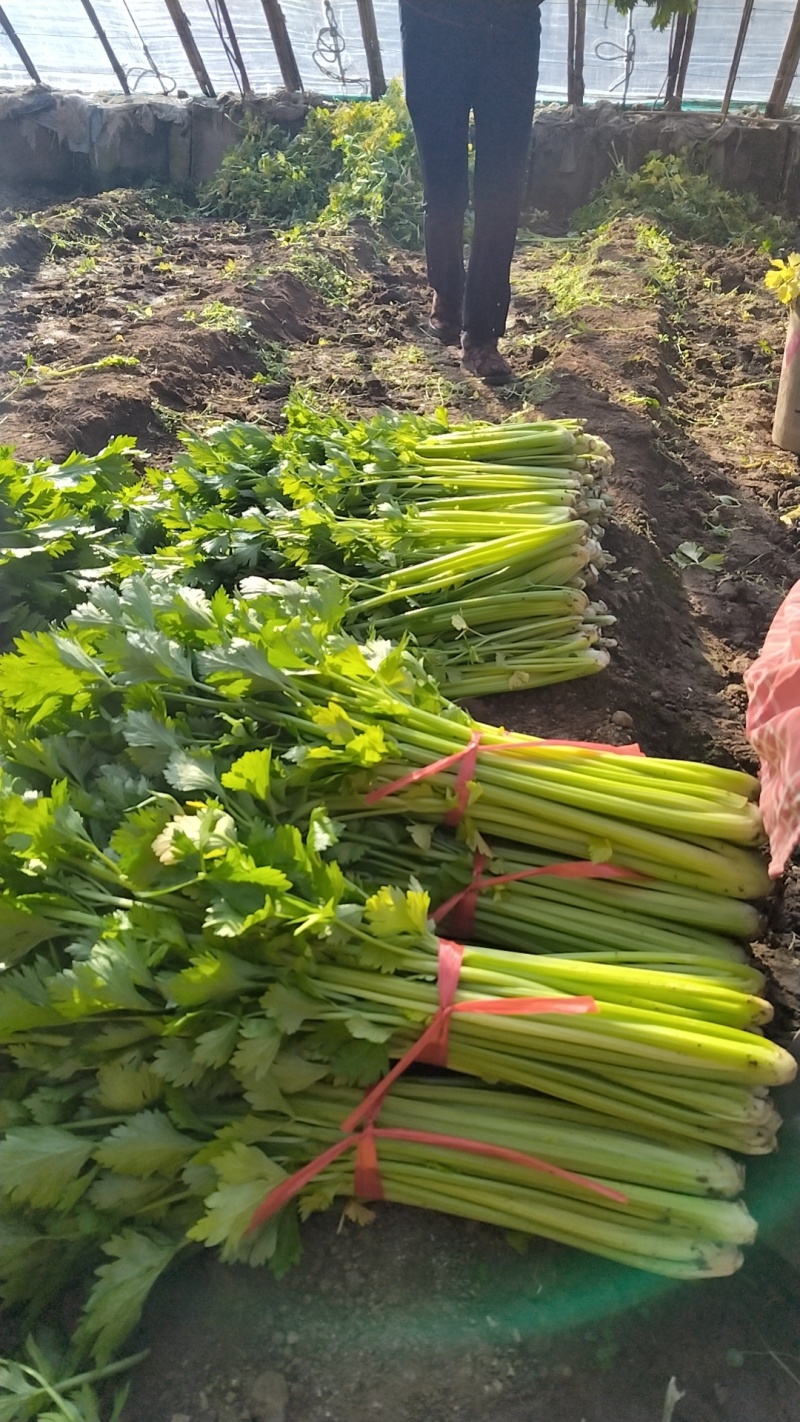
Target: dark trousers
point(479, 56)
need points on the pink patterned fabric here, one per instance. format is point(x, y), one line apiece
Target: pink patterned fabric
point(773, 729)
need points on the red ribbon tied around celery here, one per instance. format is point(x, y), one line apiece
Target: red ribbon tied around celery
point(362, 1134)
point(467, 761)
point(461, 906)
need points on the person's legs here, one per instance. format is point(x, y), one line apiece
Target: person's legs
point(438, 97)
point(503, 105)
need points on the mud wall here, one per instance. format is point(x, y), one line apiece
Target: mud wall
point(66, 145)
point(575, 149)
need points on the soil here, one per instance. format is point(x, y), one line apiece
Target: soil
point(675, 363)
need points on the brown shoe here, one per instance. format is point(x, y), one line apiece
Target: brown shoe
point(482, 358)
point(444, 325)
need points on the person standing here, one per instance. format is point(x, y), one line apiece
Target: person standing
point(479, 57)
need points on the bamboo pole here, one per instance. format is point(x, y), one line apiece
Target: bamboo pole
point(106, 43)
point(191, 51)
point(747, 15)
point(372, 48)
point(786, 69)
point(234, 44)
point(6, 25)
point(290, 72)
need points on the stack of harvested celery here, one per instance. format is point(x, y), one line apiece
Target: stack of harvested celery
point(478, 544)
point(233, 833)
point(489, 536)
point(210, 860)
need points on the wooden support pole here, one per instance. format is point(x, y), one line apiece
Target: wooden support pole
point(290, 72)
point(688, 41)
point(571, 19)
point(786, 69)
point(106, 43)
point(372, 48)
point(234, 44)
point(580, 47)
point(6, 25)
point(576, 44)
point(679, 55)
point(673, 64)
point(191, 51)
point(747, 15)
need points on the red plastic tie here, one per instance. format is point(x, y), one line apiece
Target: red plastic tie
point(463, 904)
point(460, 908)
point(367, 1182)
point(465, 774)
point(473, 1147)
point(431, 1047)
point(467, 761)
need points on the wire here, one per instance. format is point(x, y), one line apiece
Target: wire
point(330, 47)
point(216, 20)
point(330, 50)
point(142, 73)
point(154, 69)
point(610, 52)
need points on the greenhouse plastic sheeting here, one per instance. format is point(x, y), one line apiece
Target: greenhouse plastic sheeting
point(68, 54)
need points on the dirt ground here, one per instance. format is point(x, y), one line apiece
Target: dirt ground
point(673, 357)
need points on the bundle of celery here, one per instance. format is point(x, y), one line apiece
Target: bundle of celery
point(685, 825)
point(487, 562)
point(182, 794)
point(678, 1215)
point(594, 920)
point(487, 536)
point(672, 1055)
